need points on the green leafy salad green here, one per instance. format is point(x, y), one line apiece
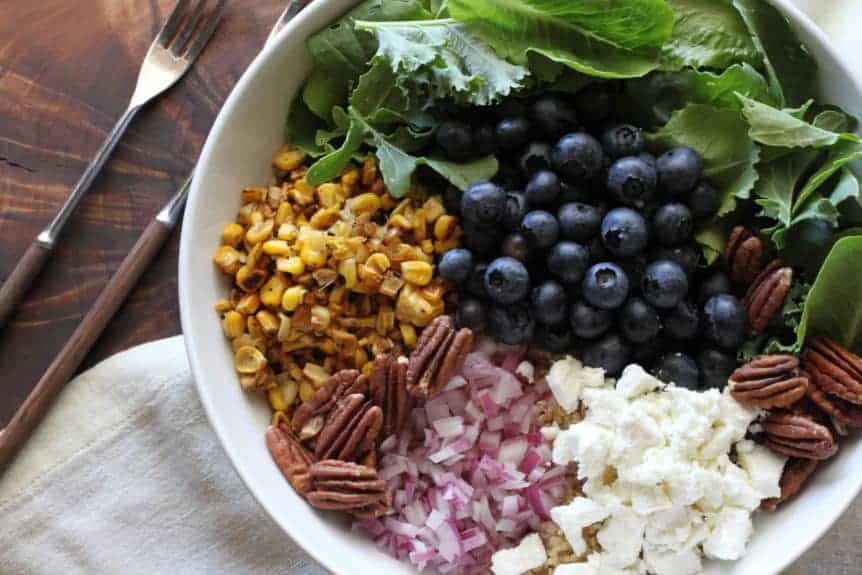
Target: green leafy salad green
point(728, 78)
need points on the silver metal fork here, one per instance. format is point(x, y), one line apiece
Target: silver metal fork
point(179, 43)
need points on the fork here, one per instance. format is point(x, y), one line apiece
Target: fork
point(179, 43)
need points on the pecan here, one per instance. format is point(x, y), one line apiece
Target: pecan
point(769, 382)
point(339, 385)
point(843, 413)
point(350, 430)
point(743, 256)
point(796, 473)
point(291, 457)
point(344, 486)
point(388, 389)
point(798, 435)
point(439, 354)
point(838, 370)
point(766, 294)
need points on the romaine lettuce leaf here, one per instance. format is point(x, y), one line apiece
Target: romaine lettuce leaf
point(784, 129)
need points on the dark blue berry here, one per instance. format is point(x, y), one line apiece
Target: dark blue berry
point(704, 201)
point(647, 352)
point(476, 283)
point(573, 192)
point(555, 338)
point(535, 157)
point(452, 200)
point(715, 367)
point(648, 158)
point(484, 203)
point(686, 256)
point(579, 222)
point(589, 322)
point(622, 140)
point(672, 224)
point(470, 314)
point(511, 324)
point(714, 285)
point(482, 240)
point(512, 133)
point(485, 140)
point(541, 229)
point(638, 321)
point(516, 208)
point(568, 261)
point(456, 265)
point(678, 170)
point(553, 117)
point(605, 286)
point(549, 303)
point(664, 284)
point(725, 322)
point(577, 157)
point(611, 353)
point(683, 321)
point(515, 245)
point(456, 140)
point(624, 232)
point(543, 188)
point(677, 368)
point(507, 280)
point(631, 181)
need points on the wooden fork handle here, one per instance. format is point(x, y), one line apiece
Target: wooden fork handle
point(70, 357)
point(19, 281)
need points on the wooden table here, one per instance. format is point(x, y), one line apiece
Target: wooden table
point(67, 70)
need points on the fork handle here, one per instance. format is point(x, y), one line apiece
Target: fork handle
point(19, 281)
point(88, 331)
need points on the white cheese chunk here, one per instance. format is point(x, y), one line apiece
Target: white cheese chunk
point(529, 554)
point(526, 370)
point(660, 562)
point(567, 379)
point(729, 532)
point(572, 518)
point(621, 537)
point(763, 466)
point(635, 382)
point(576, 569)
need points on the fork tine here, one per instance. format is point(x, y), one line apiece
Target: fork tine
point(170, 27)
point(178, 46)
point(207, 30)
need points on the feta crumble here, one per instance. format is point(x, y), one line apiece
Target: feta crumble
point(529, 554)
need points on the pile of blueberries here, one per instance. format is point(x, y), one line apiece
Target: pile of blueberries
point(584, 243)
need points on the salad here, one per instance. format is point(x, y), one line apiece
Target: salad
point(553, 287)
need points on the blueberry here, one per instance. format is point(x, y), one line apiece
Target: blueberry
point(677, 368)
point(610, 353)
point(638, 321)
point(541, 229)
point(579, 222)
point(634, 268)
point(595, 103)
point(456, 265)
point(589, 322)
point(509, 177)
point(535, 157)
point(598, 251)
point(549, 303)
point(624, 232)
point(622, 140)
point(715, 367)
point(543, 188)
point(483, 203)
point(631, 181)
point(516, 208)
point(683, 321)
point(725, 322)
point(456, 140)
point(678, 170)
point(511, 324)
point(510, 108)
point(577, 157)
point(704, 201)
point(512, 133)
point(672, 224)
point(483, 241)
point(647, 352)
point(568, 261)
point(555, 338)
point(572, 192)
point(476, 283)
point(470, 314)
point(485, 140)
point(507, 280)
point(452, 200)
point(714, 285)
point(686, 256)
point(664, 284)
point(648, 158)
point(553, 117)
point(515, 245)
point(606, 285)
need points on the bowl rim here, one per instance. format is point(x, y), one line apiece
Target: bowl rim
point(186, 290)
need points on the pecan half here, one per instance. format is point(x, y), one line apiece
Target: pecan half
point(344, 486)
point(743, 256)
point(842, 412)
point(388, 389)
point(766, 294)
point(350, 430)
point(798, 435)
point(291, 457)
point(340, 384)
point(839, 370)
point(768, 382)
point(439, 354)
point(796, 474)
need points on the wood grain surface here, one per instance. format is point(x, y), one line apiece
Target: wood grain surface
point(67, 70)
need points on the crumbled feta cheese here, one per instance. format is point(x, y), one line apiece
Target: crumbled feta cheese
point(572, 518)
point(729, 532)
point(635, 382)
point(764, 467)
point(550, 432)
point(576, 569)
point(660, 562)
point(568, 377)
point(529, 554)
point(526, 370)
point(621, 538)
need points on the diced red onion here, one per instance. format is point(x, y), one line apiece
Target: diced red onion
point(449, 427)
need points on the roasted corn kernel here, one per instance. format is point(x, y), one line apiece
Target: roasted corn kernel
point(417, 273)
point(347, 270)
point(272, 291)
point(232, 234)
point(283, 327)
point(248, 304)
point(227, 259)
point(320, 318)
point(223, 306)
point(276, 399)
point(250, 279)
point(253, 195)
point(408, 334)
point(249, 360)
point(292, 265)
point(288, 159)
point(306, 391)
point(315, 374)
point(292, 298)
point(277, 248)
point(330, 195)
point(444, 226)
point(268, 321)
point(233, 324)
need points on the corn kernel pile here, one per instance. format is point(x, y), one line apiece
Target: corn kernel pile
point(327, 278)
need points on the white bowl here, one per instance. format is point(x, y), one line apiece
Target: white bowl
point(247, 132)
